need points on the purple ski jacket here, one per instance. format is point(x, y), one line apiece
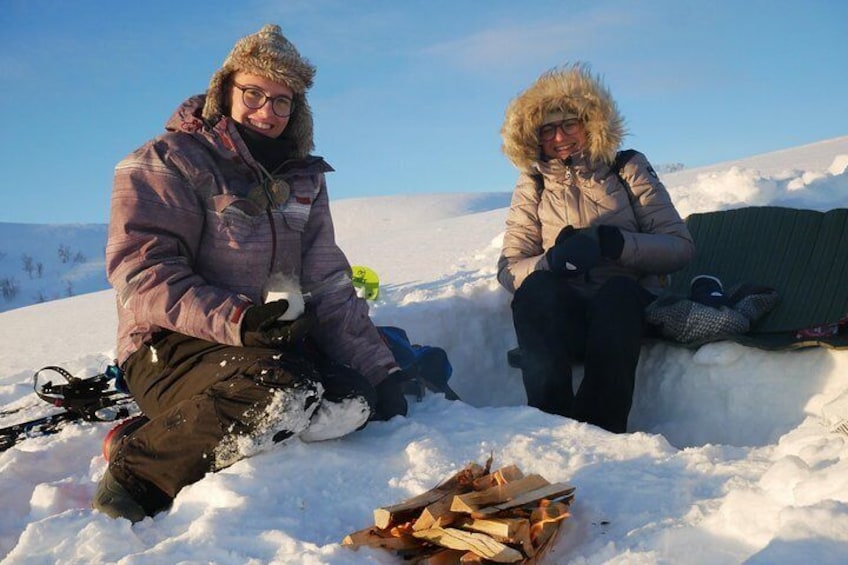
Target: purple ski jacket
point(193, 242)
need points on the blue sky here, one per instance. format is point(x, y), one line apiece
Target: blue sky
point(409, 96)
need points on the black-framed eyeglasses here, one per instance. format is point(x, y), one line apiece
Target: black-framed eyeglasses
point(254, 99)
point(569, 127)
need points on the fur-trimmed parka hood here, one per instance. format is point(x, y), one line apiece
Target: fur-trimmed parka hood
point(573, 88)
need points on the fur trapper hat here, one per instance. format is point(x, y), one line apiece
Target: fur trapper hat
point(570, 89)
point(267, 53)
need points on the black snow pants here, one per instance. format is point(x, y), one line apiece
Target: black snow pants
point(204, 400)
point(556, 328)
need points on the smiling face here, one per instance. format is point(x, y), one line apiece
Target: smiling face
point(562, 139)
point(262, 120)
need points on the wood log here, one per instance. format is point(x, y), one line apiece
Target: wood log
point(410, 508)
point(550, 492)
point(437, 514)
point(478, 543)
point(501, 476)
point(372, 537)
point(441, 557)
point(538, 558)
point(473, 501)
point(514, 531)
point(502, 528)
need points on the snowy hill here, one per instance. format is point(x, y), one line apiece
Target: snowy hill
point(804, 177)
point(45, 262)
point(731, 458)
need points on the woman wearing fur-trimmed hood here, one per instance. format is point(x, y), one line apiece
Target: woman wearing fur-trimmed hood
point(589, 233)
point(570, 88)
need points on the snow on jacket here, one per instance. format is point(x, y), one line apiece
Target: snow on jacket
point(193, 242)
point(583, 190)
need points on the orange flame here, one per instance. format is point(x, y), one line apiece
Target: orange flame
point(547, 514)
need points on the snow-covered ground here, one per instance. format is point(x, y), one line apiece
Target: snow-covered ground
point(731, 458)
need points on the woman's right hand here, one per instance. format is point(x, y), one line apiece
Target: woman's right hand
point(261, 326)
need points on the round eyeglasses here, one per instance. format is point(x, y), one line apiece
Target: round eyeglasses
point(254, 99)
point(569, 127)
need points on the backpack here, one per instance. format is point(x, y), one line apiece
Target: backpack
point(426, 366)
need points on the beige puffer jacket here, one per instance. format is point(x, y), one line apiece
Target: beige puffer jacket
point(583, 190)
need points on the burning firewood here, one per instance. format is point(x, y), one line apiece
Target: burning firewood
point(475, 516)
point(383, 517)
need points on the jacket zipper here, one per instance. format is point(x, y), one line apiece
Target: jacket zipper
point(273, 228)
point(566, 192)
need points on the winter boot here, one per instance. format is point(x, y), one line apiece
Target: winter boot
point(336, 419)
point(120, 431)
point(112, 499)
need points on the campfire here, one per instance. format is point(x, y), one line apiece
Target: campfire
point(475, 516)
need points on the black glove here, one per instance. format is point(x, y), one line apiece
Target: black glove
point(390, 399)
point(575, 252)
point(261, 326)
point(611, 241)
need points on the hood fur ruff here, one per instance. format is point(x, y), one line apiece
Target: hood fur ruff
point(570, 87)
point(267, 53)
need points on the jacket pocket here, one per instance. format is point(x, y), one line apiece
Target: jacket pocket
point(232, 221)
point(299, 204)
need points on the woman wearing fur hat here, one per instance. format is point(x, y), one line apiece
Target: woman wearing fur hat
point(584, 247)
point(212, 223)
